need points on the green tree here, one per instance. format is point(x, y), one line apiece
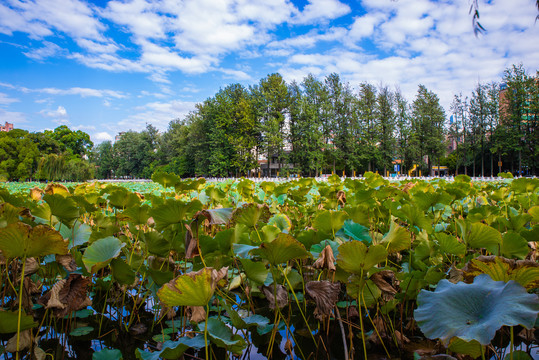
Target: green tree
point(428, 118)
point(386, 124)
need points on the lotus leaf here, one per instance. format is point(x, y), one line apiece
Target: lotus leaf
point(107, 354)
point(513, 246)
point(165, 179)
point(396, 239)
point(191, 289)
point(474, 311)
point(64, 208)
point(472, 348)
point(101, 252)
point(329, 222)
point(355, 257)
point(524, 272)
point(78, 234)
point(9, 319)
point(354, 231)
point(450, 245)
point(282, 249)
point(173, 212)
point(479, 235)
point(281, 221)
point(81, 331)
point(414, 216)
point(121, 272)
point(251, 215)
point(137, 214)
point(21, 240)
point(255, 270)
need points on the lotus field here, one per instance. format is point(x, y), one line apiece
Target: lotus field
point(341, 269)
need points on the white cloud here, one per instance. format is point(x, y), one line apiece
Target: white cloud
point(59, 113)
point(48, 50)
point(13, 117)
point(159, 114)
point(320, 10)
point(101, 136)
point(6, 100)
point(81, 91)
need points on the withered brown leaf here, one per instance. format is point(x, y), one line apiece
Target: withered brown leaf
point(325, 260)
point(325, 295)
point(282, 296)
point(67, 295)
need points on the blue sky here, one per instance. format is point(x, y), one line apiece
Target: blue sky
point(110, 66)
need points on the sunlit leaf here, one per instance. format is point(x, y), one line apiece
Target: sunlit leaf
point(21, 240)
point(355, 257)
point(282, 249)
point(101, 252)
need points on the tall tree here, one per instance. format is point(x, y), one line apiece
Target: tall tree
point(428, 119)
point(386, 124)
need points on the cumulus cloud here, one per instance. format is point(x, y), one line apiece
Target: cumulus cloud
point(101, 136)
point(6, 99)
point(158, 114)
point(59, 113)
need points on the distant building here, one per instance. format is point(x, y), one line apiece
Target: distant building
point(6, 127)
point(117, 137)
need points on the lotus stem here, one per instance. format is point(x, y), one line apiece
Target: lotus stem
point(344, 344)
point(206, 332)
point(21, 287)
point(299, 307)
point(512, 343)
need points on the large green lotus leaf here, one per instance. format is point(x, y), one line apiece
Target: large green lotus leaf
point(355, 257)
point(414, 217)
point(474, 311)
point(9, 320)
point(472, 348)
point(355, 231)
point(172, 349)
point(255, 270)
point(121, 198)
point(479, 235)
point(191, 289)
point(121, 272)
point(107, 354)
point(21, 240)
point(156, 243)
point(513, 246)
point(251, 215)
point(531, 234)
point(101, 252)
point(282, 249)
point(450, 245)
point(220, 334)
point(173, 212)
point(427, 199)
point(329, 222)
point(137, 214)
point(65, 209)
point(165, 179)
point(396, 239)
point(518, 355)
point(78, 234)
point(359, 214)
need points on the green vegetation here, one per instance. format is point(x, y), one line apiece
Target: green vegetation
point(353, 268)
point(323, 126)
point(50, 155)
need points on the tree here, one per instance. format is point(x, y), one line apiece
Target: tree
point(366, 110)
point(427, 123)
point(104, 160)
point(271, 101)
point(386, 124)
point(403, 131)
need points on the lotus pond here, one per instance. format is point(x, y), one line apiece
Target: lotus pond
point(353, 269)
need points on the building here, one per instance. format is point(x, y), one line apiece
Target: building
point(6, 127)
point(117, 137)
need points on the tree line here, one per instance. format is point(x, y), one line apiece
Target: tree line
point(316, 126)
point(322, 126)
